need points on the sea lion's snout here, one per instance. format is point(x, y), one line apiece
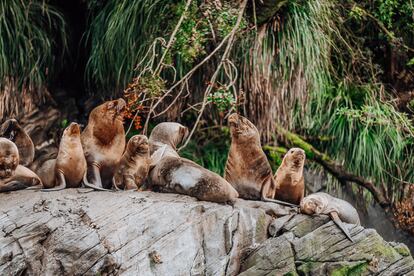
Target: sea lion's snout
point(120, 105)
point(73, 129)
point(140, 143)
point(307, 206)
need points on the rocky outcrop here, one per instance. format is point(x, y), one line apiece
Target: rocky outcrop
point(74, 232)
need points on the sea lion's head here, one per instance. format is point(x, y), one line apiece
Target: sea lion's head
point(241, 128)
point(312, 205)
point(295, 158)
point(73, 130)
point(168, 133)
point(110, 110)
point(9, 158)
point(138, 144)
point(9, 129)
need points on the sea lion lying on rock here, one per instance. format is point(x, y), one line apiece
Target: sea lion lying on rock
point(290, 183)
point(134, 165)
point(247, 168)
point(339, 210)
point(103, 142)
point(171, 173)
point(70, 165)
point(12, 175)
point(11, 130)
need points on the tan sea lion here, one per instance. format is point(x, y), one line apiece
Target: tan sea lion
point(167, 133)
point(339, 210)
point(12, 175)
point(290, 183)
point(103, 142)
point(247, 168)
point(70, 165)
point(11, 130)
point(173, 174)
point(134, 165)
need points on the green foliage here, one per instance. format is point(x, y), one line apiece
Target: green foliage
point(222, 99)
point(33, 40)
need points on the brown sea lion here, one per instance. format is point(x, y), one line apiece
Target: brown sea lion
point(173, 174)
point(134, 165)
point(70, 165)
point(103, 142)
point(11, 130)
point(247, 167)
point(290, 183)
point(12, 175)
point(339, 210)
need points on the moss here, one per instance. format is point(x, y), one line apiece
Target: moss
point(306, 267)
point(290, 273)
point(275, 155)
point(261, 224)
point(351, 270)
point(402, 249)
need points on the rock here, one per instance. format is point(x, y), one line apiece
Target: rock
point(83, 232)
point(71, 232)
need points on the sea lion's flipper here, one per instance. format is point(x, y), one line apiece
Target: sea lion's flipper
point(60, 181)
point(12, 186)
point(280, 202)
point(97, 178)
point(114, 184)
point(340, 224)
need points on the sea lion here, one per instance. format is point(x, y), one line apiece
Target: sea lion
point(247, 168)
point(12, 175)
point(167, 133)
point(103, 142)
point(339, 210)
point(70, 164)
point(173, 174)
point(11, 130)
point(290, 183)
point(134, 165)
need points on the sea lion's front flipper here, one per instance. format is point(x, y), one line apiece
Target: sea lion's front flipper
point(340, 224)
point(97, 184)
point(12, 186)
point(114, 184)
point(60, 183)
point(280, 202)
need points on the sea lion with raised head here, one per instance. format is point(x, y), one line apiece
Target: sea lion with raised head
point(103, 142)
point(12, 175)
point(173, 174)
point(134, 165)
point(11, 130)
point(70, 165)
point(339, 210)
point(247, 167)
point(290, 183)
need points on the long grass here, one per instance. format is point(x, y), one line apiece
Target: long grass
point(33, 42)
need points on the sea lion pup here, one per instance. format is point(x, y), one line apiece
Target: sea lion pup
point(134, 165)
point(290, 183)
point(103, 142)
point(339, 210)
point(12, 175)
point(11, 130)
point(247, 168)
point(173, 174)
point(70, 165)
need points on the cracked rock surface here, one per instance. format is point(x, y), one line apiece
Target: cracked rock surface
point(74, 232)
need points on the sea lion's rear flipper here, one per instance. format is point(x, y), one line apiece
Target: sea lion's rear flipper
point(60, 183)
point(340, 224)
point(97, 185)
point(279, 202)
point(12, 186)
